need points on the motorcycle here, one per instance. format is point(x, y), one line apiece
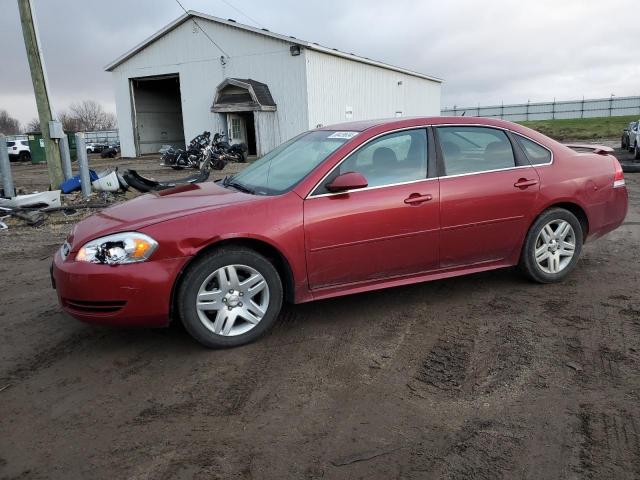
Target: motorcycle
point(189, 158)
point(211, 159)
point(233, 153)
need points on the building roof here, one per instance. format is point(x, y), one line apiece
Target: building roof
point(256, 96)
point(260, 31)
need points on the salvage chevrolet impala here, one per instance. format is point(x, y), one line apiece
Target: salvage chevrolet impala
point(340, 210)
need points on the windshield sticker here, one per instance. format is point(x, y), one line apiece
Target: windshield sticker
point(345, 135)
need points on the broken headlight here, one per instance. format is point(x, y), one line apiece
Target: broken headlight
point(127, 247)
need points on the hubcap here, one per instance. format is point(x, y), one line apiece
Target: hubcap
point(232, 300)
point(555, 246)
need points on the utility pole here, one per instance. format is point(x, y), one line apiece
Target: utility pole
point(40, 88)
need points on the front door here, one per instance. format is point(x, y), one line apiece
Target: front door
point(486, 196)
point(390, 228)
point(237, 128)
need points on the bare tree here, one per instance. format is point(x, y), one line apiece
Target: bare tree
point(69, 122)
point(8, 124)
point(33, 125)
point(91, 116)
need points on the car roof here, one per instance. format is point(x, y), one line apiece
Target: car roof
point(393, 123)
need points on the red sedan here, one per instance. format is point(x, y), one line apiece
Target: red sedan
point(340, 210)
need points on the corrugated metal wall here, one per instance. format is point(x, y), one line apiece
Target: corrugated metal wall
point(187, 52)
point(596, 107)
point(309, 89)
point(340, 90)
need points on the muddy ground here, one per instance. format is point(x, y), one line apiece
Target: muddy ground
point(486, 376)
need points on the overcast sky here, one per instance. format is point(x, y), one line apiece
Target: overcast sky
point(486, 51)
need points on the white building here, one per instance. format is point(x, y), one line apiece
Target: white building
point(205, 73)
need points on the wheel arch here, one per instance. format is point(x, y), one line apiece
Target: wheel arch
point(264, 248)
point(572, 207)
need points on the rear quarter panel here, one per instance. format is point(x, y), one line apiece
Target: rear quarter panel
point(585, 179)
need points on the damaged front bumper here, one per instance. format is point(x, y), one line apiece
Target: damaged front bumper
point(136, 294)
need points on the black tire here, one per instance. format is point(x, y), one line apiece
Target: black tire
point(636, 151)
point(630, 167)
point(197, 273)
point(528, 265)
point(25, 156)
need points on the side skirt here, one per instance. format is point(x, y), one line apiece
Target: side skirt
point(377, 284)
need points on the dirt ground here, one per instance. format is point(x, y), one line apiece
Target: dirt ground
point(486, 376)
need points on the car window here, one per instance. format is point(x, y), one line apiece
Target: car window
point(285, 166)
point(393, 158)
point(474, 149)
point(10, 144)
point(536, 154)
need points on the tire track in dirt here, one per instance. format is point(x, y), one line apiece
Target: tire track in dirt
point(481, 449)
point(46, 357)
point(609, 443)
point(473, 357)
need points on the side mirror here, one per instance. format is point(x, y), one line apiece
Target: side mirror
point(347, 181)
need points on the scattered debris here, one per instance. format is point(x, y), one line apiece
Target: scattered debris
point(361, 457)
point(34, 218)
point(74, 183)
point(38, 199)
point(108, 182)
point(144, 184)
point(575, 366)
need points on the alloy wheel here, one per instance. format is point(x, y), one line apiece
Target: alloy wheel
point(555, 246)
point(232, 300)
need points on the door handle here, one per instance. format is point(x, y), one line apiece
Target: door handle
point(416, 198)
point(524, 183)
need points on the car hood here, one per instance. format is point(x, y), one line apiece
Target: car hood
point(154, 208)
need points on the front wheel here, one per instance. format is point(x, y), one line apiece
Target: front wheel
point(552, 246)
point(636, 152)
point(229, 297)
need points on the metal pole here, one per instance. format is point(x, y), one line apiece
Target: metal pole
point(40, 88)
point(65, 154)
point(5, 169)
point(83, 165)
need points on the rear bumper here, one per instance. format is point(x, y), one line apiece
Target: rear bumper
point(613, 213)
point(124, 295)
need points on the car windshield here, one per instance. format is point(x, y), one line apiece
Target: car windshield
point(284, 167)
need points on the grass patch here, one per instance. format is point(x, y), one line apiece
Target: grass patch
point(581, 128)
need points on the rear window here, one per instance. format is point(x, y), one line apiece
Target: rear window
point(537, 154)
point(25, 143)
point(474, 149)
point(10, 144)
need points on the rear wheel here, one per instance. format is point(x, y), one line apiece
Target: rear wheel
point(25, 156)
point(552, 246)
point(229, 297)
point(636, 151)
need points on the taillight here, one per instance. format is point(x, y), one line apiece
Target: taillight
point(618, 177)
point(15, 148)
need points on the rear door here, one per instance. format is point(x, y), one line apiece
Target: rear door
point(487, 194)
point(388, 229)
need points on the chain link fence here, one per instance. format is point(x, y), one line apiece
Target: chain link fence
point(585, 108)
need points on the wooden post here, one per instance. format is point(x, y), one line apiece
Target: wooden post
point(38, 77)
